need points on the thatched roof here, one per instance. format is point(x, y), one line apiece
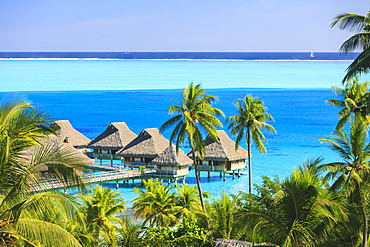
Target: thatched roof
point(68, 134)
point(223, 150)
point(170, 157)
point(236, 243)
point(116, 136)
point(148, 144)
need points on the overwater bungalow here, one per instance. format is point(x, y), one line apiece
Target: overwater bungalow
point(170, 164)
point(115, 137)
point(68, 134)
point(221, 156)
point(144, 148)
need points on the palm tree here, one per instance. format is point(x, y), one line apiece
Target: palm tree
point(223, 218)
point(188, 199)
point(194, 115)
point(359, 41)
point(249, 123)
point(24, 214)
point(130, 233)
point(157, 205)
point(99, 210)
point(302, 212)
point(352, 173)
point(354, 100)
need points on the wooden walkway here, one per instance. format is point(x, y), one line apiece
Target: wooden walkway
point(116, 174)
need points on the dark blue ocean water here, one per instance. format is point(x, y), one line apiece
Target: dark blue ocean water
point(186, 55)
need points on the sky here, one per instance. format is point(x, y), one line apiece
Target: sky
point(174, 25)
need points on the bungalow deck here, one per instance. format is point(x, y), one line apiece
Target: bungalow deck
point(113, 175)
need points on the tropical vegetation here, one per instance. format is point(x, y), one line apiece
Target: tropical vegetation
point(352, 99)
point(359, 41)
point(195, 114)
point(248, 124)
point(319, 204)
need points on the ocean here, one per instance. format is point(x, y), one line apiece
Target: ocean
point(91, 93)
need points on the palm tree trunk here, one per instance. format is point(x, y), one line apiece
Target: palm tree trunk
point(366, 226)
point(249, 160)
point(197, 177)
point(364, 216)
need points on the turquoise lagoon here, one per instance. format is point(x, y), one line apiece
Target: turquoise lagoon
point(93, 93)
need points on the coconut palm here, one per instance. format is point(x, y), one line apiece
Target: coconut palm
point(249, 123)
point(130, 233)
point(188, 199)
point(354, 100)
point(302, 212)
point(24, 155)
point(194, 115)
point(158, 205)
point(223, 218)
point(100, 210)
point(352, 173)
point(359, 41)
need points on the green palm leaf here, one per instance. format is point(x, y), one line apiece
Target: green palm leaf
point(249, 124)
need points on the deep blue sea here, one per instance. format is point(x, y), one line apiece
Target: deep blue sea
point(138, 91)
point(185, 55)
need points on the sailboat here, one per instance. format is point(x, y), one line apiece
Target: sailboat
point(312, 54)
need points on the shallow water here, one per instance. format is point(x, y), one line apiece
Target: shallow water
point(301, 115)
point(66, 75)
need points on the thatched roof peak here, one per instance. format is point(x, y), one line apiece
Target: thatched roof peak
point(149, 143)
point(224, 149)
point(170, 157)
point(68, 134)
point(115, 136)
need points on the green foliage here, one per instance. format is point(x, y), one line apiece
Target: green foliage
point(354, 100)
point(157, 205)
point(187, 234)
point(223, 218)
point(360, 25)
point(194, 115)
point(33, 220)
point(130, 233)
point(297, 212)
point(99, 211)
point(248, 124)
point(350, 175)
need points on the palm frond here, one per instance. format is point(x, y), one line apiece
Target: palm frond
point(359, 66)
point(45, 233)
